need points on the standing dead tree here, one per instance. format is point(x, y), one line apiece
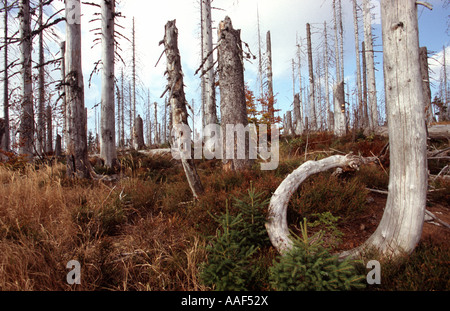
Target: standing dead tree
point(312, 99)
point(232, 96)
point(401, 226)
point(27, 118)
point(108, 150)
point(77, 149)
point(178, 103)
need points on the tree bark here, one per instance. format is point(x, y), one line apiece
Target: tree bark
point(108, 150)
point(178, 103)
point(77, 150)
point(365, 99)
point(401, 226)
point(232, 93)
point(312, 99)
point(27, 117)
point(327, 84)
point(298, 115)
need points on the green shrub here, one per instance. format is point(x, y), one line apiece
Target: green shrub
point(229, 266)
point(309, 266)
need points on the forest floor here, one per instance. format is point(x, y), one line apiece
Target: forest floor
point(140, 229)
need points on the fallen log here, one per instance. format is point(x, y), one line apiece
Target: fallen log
point(438, 131)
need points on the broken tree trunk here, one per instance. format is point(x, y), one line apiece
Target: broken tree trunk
point(77, 149)
point(232, 94)
point(5, 144)
point(138, 134)
point(178, 102)
point(49, 138)
point(358, 66)
point(298, 115)
point(339, 110)
point(271, 107)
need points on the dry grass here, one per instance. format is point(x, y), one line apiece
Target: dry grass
point(118, 233)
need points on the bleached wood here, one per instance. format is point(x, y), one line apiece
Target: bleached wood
point(401, 226)
point(277, 225)
point(312, 99)
point(108, 150)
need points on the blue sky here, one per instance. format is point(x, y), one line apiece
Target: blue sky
point(286, 19)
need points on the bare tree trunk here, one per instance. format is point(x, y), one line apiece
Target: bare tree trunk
point(49, 138)
point(138, 134)
point(232, 93)
point(445, 90)
point(339, 110)
point(289, 130)
point(27, 118)
point(341, 40)
point(122, 112)
point(312, 99)
point(327, 83)
point(271, 103)
point(300, 91)
point(298, 115)
point(5, 145)
point(370, 61)
point(336, 44)
point(108, 150)
point(365, 99)
point(401, 226)
point(358, 65)
point(41, 137)
point(424, 69)
point(134, 69)
point(77, 149)
point(178, 102)
point(156, 123)
point(63, 90)
point(210, 111)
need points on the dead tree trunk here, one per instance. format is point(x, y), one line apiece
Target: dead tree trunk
point(138, 134)
point(209, 108)
point(63, 90)
point(232, 94)
point(277, 225)
point(77, 149)
point(298, 115)
point(312, 99)
point(271, 102)
point(108, 150)
point(401, 226)
point(27, 117)
point(424, 69)
point(133, 35)
point(41, 115)
point(327, 84)
point(365, 99)
point(370, 62)
point(358, 65)
point(339, 110)
point(5, 144)
point(178, 102)
point(49, 138)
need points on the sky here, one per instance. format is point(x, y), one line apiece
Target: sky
point(285, 19)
